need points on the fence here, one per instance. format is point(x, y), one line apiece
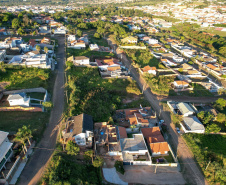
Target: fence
point(133, 47)
point(19, 108)
point(39, 89)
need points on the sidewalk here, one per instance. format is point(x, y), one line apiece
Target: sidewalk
point(111, 176)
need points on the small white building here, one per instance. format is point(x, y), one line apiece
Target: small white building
point(19, 99)
point(82, 60)
point(71, 38)
point(180, 84)
point(192, 125)
point(152, 41)
point(93, 47)
point(185, 109)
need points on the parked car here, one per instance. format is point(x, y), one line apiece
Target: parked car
point(178, 130)
point(161, 121)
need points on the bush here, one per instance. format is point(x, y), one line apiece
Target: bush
point(190, 62)
point(72, 148)
point(213, 128)
point(119, 167)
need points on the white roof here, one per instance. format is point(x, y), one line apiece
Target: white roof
point(3, 135)
point(184, 108)
point(4, 145)
point(193, 123)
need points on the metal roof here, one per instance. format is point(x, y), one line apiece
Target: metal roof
point(184, 108)
point(193, 123)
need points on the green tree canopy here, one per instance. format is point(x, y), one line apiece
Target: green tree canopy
point(72, 148)
point(98, 162)
point(15, 23)
point(213, 128)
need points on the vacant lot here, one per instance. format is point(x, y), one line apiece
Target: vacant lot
point(11, 121)
point(87, 53)
point(209, 149)
point(22, 78)
point(91, 94)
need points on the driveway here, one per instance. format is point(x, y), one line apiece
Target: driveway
point(146, 175)
point(111, 176)
point(34, 169)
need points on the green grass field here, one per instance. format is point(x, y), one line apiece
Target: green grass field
point(23, 78)
point(91, 94)
point(209, 148)
point(87, 53)
point(12, 121)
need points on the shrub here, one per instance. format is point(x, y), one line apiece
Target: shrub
point(72, 148)
point(119, 167)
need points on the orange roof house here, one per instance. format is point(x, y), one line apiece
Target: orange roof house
point(159, 148)
point(156, 141)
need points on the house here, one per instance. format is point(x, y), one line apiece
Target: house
point(185, 109)
point(156, 141)
point(107, 64)
point(79, 129)
point(2, 55)
point(45, 40)
point(107, 135)
point(186, 67)
point(77, 44)
point(167, 62)
point(71, 38)
point(180, 84)
point(130, 40)
point(5, 149)
point(32, 44)
point(82, 60)
point(138, 120)
point(32, 59)
point(94, 47)
point(19, 99)
point(134, 151)
point(148, 69)
point(193, 73)
point(192, 124)
point(60, 31)
point(152, 41)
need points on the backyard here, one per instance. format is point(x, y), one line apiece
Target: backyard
point(210, 153)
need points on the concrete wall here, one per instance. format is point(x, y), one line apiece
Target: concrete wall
point(18, 108)
point(133, 47)
point(39, 89)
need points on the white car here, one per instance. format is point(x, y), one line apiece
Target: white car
point(55, 62)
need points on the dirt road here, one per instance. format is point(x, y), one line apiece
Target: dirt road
point(192, 173)
point(34, 169)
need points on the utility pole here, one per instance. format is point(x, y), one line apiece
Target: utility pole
point(156, 167)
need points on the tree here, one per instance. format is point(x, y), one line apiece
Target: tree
point(46, 49)
point(89, 155)
point(2, 67)
point(34, 33)
point(221, 118)
point(79, 33)
point(132, 127)
point(98, 162)
point(24, 134)
point(38, 48)
point(47, 104)
point(20, 31)
point(97, 35)
point(69, 64)
point(15, 23)
point(220, 103)
point(213, 128)
point(72, 148)
point(180, 70)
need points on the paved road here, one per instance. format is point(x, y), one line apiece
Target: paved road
point(191, 170)
point(33, 171)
